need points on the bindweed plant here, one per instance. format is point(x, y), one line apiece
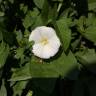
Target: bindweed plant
point(43, 42)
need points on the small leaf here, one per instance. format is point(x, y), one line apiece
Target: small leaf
point(91, 20)
point(30, 93)
point(65, 32)
point(24, 8)
point(19, 36)
point(90, 33)
point(52, 15)
point(58, 0)
point(28, 21)
point(75, 44)
point(4, 51)
point(30, 18)
point(3, 91)
point(91, 1)
point(80, 23)
point(92, 6)
point(38, 22)
point(39, 3)
point(19, 87)
point(11, 1)
point(45, 12)
point(88, 59)
point(0, 1)
point(1, 36)
point(1, 13)
point(22, 73)
point(19, 53)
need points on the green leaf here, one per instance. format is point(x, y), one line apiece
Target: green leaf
point(67, 66)
point(1, 13)
point(92, 6)
point(19, 87)
point(1, 36)
point(88, 59)
point(28, 21)
point(45, 12)
point(75, 44)
point(11, 1)
point(38, 22)
point(22, 73)
point(3, 91)
point(80, 24)
point(24, 8)
point(19, 53)
point(61, 66)
point(52, 15)
point(91, 1)
point(91, 20)
point(65, 32)
point(8, 37)
point(2, 22)
point(30, 93)
point(39, 3)
point(90, 33)
point(38, 71)
point(58, 0)
point(0, 1)
point(30, 18)
point(4, 51)
point(19, 35)
point(42, 70)
point(1, 71)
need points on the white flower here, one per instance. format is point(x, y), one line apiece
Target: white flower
point(46, 42)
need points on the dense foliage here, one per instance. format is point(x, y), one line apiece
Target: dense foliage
point(22, 73)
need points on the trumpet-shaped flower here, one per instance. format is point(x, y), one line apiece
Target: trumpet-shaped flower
point(46, 42)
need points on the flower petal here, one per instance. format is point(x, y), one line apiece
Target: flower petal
point(54, 42)
point(46, 32)
point(48, 52)
point(35, 36)
point(37, 50)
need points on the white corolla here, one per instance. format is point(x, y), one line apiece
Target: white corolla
point(46, 42)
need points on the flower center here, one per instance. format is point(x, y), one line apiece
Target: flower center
point(44, 41)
